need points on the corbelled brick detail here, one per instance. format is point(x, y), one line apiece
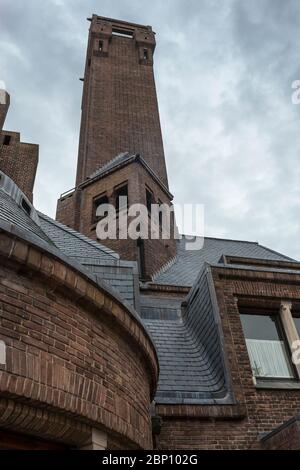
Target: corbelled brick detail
point(119, 104)
point(258, 410)
point(72, 347)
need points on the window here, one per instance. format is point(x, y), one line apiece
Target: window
point(146, 54)
point(98, 201)
point(100, 46)
point(160, 215)
point(141, 258)
point(266, 346)
point(149, 200)
point(124, 33)
point(26, 206)
point(6, 140)
point(121, 194)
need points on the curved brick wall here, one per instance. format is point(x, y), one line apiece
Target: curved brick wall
point(76, 357)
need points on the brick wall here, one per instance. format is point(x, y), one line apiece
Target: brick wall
point(76, 211)
point(258, 411)
point(286, 438)
point(19, 161)
point(119, 104)
point(72, 348)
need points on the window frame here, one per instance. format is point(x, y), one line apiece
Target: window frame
point(265, 311)
point(95, 205)
point(118, 188)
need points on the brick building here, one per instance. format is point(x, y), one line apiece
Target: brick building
point(143, 343)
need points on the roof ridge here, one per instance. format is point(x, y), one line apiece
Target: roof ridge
point(277, 253)
point(79, 235)
point(107, 164)
point(222, 239)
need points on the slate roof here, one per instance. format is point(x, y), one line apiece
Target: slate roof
point(12, 212)
point(103, 262)
point(73, 243)
point(189, 344)
point(188, 338)
point(184, 269)
point(16, 220)
point(117, 162)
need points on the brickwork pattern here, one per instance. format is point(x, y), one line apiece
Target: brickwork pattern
point(157, 252)
point(71, 347)
point(19, 161)
point(119, 105)
point(258, 411)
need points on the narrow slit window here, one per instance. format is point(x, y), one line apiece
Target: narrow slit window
point(160, 215)
point(100, 46)
point(146, 54)
point(97, 202)
point(26, 206)
point(6, 140)
point(141, 258)
point(122, 198)
point(149, 200)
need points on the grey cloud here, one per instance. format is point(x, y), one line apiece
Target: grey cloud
point(223, 71)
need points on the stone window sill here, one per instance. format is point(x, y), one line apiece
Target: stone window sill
point(278, 384)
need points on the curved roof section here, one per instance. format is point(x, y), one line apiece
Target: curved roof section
point(189, 344)
point(184, 269)
point(25, 223)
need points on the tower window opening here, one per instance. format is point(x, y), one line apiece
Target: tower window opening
point(160, 216)
point(149, 200)
point(98, 201)
point(141, 258)
point(121, 193)
point(124, 33)
point(6, 140)
point(146, 54)
point(100, 46)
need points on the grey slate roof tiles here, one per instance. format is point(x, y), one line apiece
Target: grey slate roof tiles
point(94, 256)
point(188, 263)
point(189, 346)
point(12, 213)
point(74, 244)
point(188, 340)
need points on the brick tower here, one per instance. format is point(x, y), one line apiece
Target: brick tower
point(119, 105)
point(120, 145)
point(18, 160)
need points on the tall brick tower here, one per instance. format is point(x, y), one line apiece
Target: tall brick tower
point(119, 105)
point(120, 145)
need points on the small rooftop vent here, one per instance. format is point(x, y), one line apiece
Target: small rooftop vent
point(9, 187)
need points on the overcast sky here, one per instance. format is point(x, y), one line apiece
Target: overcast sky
point(224, 70)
